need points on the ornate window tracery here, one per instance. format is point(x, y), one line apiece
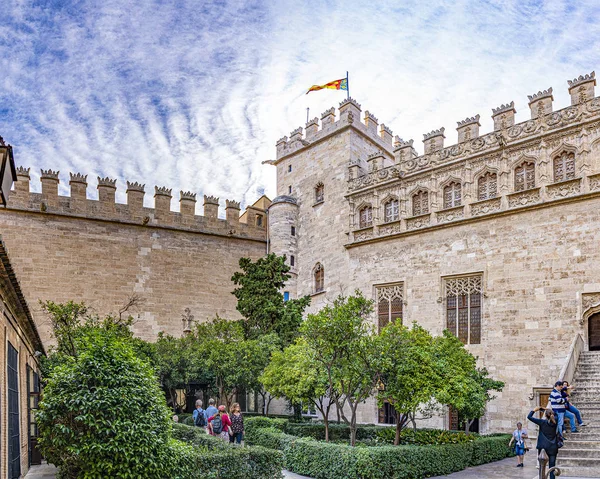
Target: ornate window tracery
point(487, 186)
point(319, 277)
point(420, 203)
point(525, 176)
point(365, 217)
point(391, 211)
point(463, 308)
point(319, 193)
point(452, 195)
point(390, 300)
point(564, 167)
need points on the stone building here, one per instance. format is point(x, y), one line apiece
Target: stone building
point(495, 237)
point(20, 349)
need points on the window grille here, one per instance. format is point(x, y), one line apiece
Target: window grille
point(365, 217)
point(564, 167)
point(463, 308)
point(389, 304)
point(319, 274)
point(487, 186)
point(391, 211)
point(525, 177)
point(452, 195)
point(420, 203)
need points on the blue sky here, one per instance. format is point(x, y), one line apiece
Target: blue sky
point(192, 95)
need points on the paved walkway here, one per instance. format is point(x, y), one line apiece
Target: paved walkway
point(45, 471)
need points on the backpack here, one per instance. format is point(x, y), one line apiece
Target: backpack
point(217, 425)
point(200, 420)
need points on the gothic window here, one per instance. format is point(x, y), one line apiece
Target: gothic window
point(420, 203)
point(319, 193)
point(452, 195)
point(463, 308)
point(391, 211)
point(564, 167)
point(525, 176)
point(365, 217)
point(259, 220)
point(487, 186)
point(319, 274)
point(389, 304)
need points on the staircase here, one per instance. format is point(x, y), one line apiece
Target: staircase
point(580, 457)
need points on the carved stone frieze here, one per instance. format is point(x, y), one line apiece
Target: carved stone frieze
point(364, 234)
point(390, 229)
point(417, 222)
point(524, 198)
point(589, 300)
point(450, 214)
point(594, 182)
point(564, 188)
point(487, 206)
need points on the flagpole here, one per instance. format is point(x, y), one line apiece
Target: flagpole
point(347, 87)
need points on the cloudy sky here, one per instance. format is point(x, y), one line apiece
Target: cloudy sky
point(193, 94)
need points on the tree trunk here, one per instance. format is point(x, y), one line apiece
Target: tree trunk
point(468, 423)
point(414, 423)
point(398, 426)
point(337, 410)
point(353, 425)
point(267, 404)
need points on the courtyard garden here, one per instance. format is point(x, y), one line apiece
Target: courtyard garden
point(104, 408)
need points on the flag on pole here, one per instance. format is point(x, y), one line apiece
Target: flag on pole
point(341, 84)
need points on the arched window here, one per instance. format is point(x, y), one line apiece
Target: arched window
point(319, 193)
point(365, 217)
point(319, 274)
point(487, 186)
point(452, 195)
point(391, 211)
point(564, 167)
point(292, 260)
point(420, 203)
point(525, 176)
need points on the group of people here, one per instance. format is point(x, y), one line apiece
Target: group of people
point(216, 421)
point(552, 425)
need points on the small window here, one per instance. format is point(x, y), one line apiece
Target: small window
point(391, 211)
point(420, 203)
point(525, 176)
point(290, 190)
point(259, 220)
point(286, 296)
point(293, 231)
point(292, 260)
point(319, 193)
point(365, 218)
point(452, 195)
point(487, 186)
point(319, 275)
point(289, 168)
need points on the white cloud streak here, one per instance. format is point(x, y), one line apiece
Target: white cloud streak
point(194, 95)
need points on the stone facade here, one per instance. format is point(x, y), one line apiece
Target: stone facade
point(518, 209)
point(102, 252)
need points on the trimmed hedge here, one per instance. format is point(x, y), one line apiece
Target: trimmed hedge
point(322, 460)
point(213, 458)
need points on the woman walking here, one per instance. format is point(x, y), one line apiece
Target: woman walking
point(220, 424)
point(548, 435)
point(518, 437)
point(237, 424)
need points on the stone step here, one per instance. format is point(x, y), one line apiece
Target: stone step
point(591, 462)
point(576, 471)
point(584, 436)
point(575, 443)
point(568, 452)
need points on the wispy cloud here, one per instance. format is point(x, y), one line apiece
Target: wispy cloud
point(193, 95)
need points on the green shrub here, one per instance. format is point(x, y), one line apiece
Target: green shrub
point(103, 414)
point(423, 437)
point(258, 422)
point(186, 419)
point(213, 458)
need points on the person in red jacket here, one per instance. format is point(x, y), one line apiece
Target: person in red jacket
point(220, 424)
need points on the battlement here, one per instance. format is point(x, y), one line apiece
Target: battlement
point(105, 207)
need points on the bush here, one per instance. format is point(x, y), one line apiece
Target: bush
point(424, 437)
point(330, 461)
point(103, 414)
point(258, 422)
point(214, 458)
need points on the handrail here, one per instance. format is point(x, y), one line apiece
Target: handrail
point(568, 370)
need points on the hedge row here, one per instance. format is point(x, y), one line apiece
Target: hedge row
point(330, 461)
point(211, 458)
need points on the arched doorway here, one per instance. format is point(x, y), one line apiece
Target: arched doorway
point(594, 332)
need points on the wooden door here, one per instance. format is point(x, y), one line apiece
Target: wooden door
point(594, 332)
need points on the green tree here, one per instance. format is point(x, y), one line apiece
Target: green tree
point(261, 301)
point(295, 374)
point(408, 371)
point(341, 337)
point(464, 386)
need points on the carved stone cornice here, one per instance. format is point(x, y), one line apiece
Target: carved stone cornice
point(523, 198)
point(564, 188)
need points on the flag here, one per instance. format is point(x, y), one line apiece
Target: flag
point(341, 84)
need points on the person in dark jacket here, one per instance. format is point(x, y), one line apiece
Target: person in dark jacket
point(548, 435)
